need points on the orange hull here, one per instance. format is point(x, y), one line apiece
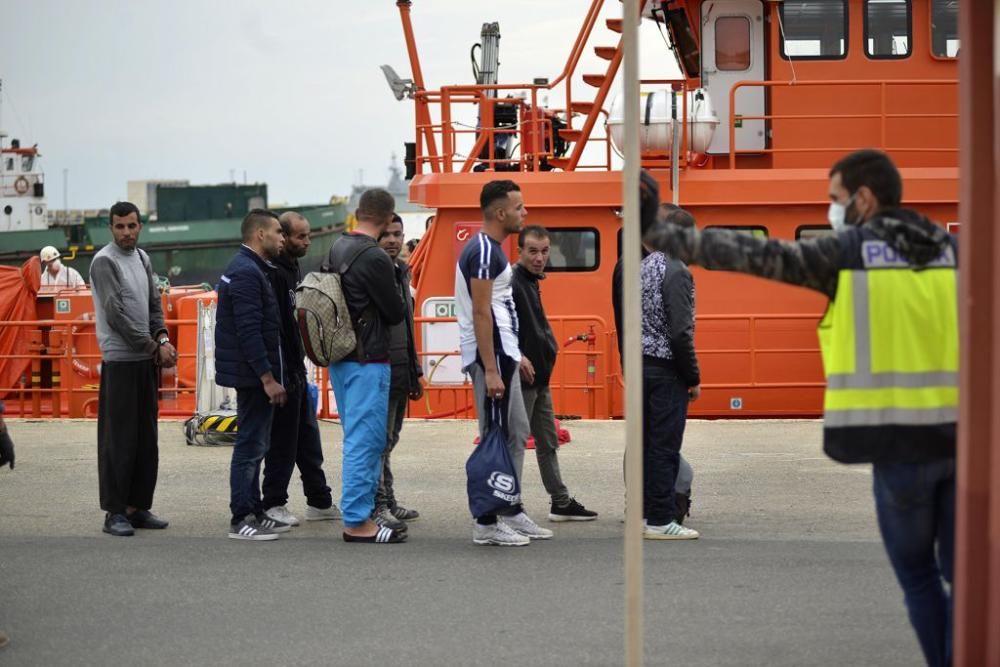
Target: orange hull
point(756, 339)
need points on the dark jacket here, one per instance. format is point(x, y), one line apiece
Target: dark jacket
point(677, 292)
point(247, 323)
point(534, 335)
point(369, 286)
point(285, 277)
point(406, 372)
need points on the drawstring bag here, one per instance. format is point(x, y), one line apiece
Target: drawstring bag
point(492, 480)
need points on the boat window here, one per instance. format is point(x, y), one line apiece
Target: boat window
point(732, 43)
point(27, 162)
point(814, 29)
point(944, 28)
point(573, 249)
point(806, 232)
point(887, 28)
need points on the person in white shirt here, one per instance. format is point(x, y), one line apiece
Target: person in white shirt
point(55, 274)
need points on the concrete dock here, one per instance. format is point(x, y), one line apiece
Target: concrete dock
point(789, 570)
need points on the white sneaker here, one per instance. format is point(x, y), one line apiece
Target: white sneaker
point(522, 524)
point(281, 513)
point(671, 531)
point(331, 513)
point(499, 534)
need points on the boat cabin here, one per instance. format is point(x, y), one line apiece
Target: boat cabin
point(22, 188)
point(769, 95)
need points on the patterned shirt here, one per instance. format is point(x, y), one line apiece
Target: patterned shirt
point(655, 332)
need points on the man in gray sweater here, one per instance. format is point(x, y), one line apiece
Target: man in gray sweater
point(134, 346)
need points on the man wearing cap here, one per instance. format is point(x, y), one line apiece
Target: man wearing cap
point(55, 273)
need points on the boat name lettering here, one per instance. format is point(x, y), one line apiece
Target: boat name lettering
point(169, 228)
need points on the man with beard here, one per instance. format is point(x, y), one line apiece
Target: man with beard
point(295, 436)
point(133, 342)
point(248, 357)
point(488, 326)
point(404, 380)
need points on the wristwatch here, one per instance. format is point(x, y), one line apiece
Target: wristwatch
point(163, 341)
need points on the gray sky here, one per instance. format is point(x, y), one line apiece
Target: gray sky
point(288, 91)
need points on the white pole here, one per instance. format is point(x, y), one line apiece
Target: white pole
point(675, 150)
point(631, 324)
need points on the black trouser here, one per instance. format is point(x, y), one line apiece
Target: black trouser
point(385, 496)
point(127, 454)
point(295, 441)
point(664, 415)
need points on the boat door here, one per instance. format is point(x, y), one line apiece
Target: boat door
point(733, 51)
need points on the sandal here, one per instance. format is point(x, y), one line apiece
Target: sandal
point(381, 536)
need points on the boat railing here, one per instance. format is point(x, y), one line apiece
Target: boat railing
point(62, 380)
point(62, 377)
point(532, 127)
point(883, 115)
point(754, 351)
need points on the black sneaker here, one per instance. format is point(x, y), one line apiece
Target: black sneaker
point(682, 501)
point(404, 513)
point(384, 518)
point(117, 525)
point(146, 519)
point(573, 511)
point(250, 529)
point(273, 525)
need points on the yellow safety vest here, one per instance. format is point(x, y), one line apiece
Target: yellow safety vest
point(890, 354)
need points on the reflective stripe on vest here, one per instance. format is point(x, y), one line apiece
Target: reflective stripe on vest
point(890, 348)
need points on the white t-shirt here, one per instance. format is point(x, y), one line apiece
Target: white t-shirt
point(483, 258)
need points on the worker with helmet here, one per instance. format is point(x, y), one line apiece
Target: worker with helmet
point(55, 274)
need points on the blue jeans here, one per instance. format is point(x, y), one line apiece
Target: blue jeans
point(254, 414)
point(362, 393)
point(915, 503)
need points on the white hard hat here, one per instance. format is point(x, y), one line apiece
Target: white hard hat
point(48, 254)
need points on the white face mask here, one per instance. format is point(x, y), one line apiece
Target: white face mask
point(837, 214)
point(55, 265)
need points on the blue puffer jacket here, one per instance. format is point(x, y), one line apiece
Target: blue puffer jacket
point(247, 323)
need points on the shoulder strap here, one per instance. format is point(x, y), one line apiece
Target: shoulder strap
point(144, 258)
point(350, 259)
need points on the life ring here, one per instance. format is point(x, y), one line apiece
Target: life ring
point(80, 367)
point(21, 185)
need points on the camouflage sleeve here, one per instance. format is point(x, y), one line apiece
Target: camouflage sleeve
point(812, 263)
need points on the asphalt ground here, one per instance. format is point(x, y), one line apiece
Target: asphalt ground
point(789, 570)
